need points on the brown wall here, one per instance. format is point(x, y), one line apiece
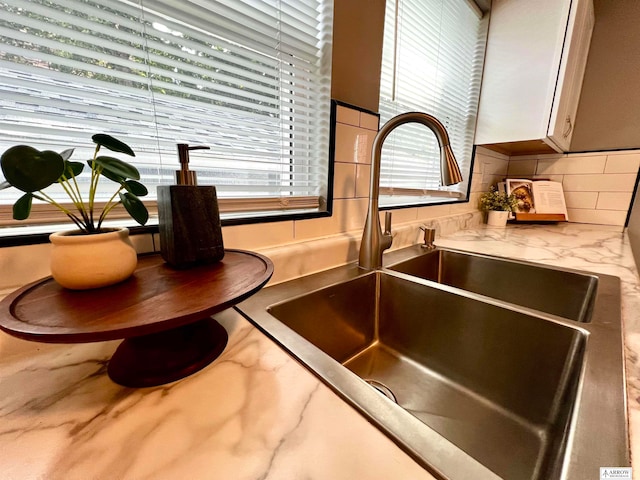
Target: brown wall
point(609, 111)
point(358, 29)
point(634, 229)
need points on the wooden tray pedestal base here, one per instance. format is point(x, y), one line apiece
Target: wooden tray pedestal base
point(167, 356)
point(163, 313)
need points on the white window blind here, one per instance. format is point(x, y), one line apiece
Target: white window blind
point(250, 79)
point(432, 62)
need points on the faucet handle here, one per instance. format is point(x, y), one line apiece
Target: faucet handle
point(429, 237)
point(387, 223)
point(387, 237)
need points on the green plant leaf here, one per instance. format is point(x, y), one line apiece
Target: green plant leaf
point(135, 207)
point(138, 189)
point(110, 175)
point(112, 143)
point(22, 207)
point(72, 169)
point(29, 169)
point(117, 167)
point(66, 154)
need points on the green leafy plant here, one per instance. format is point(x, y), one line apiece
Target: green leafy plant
point(496, 200)
point(31, 171)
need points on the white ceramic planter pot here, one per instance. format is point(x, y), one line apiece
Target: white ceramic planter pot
point(82, 262)
point(497, 218)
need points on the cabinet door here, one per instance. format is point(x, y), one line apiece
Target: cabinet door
point(572, 67)
point(535, 62)
point(524, 51)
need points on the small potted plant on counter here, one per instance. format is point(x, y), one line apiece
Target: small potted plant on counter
point(91, 256)
point(497, 205)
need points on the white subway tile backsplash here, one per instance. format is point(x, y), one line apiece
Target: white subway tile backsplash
point(465, 207)
point(550, 156)
point(477, 164)
point(317, 227)
point(352, 214)
point(498, 162)
point(353, 144)
point(600, 217)
point(553, 178)
point(363, 179)
point(144, 243)
point(24, 264)
point(303, 258)
point(348, 116)
point(581, 199)
point(494, 166)
point(522, 168)
point(577, 164)
point(476, 182)
point(348, 214)
point(344, 180)
point(615, 182)
point(614, 201)
point(369, 121)
point(623, 163)
point(474, 199)
point(259, 235)
point(434, 211)
point(597, 185)
point(490, 180)
point(400, 215)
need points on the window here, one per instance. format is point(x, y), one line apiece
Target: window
point(249, 79)
point(432, 62)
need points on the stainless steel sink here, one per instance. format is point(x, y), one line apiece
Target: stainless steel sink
point(467, 369)
point(471, 386)
point(560, 292)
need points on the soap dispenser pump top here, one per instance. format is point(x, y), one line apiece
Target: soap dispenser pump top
point(188, 218)
point(184, 176)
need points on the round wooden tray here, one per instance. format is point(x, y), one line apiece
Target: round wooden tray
point(162, 312)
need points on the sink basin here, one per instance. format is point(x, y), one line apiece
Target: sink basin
point(559, 292)
point(470, 384)
point(469, 370)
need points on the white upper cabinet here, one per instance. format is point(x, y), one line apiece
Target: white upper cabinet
point(536, 57)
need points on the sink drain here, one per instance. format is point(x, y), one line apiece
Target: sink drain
point(382, 389)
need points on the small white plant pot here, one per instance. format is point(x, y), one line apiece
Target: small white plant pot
point(497, 218)
point(82, 262)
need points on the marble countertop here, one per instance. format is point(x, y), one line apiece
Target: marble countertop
point(254, 413)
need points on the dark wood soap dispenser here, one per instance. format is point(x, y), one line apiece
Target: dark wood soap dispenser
point(188, 218)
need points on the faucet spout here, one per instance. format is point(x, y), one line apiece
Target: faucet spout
point(374, 241)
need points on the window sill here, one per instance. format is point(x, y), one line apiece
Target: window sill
point(13, 236)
